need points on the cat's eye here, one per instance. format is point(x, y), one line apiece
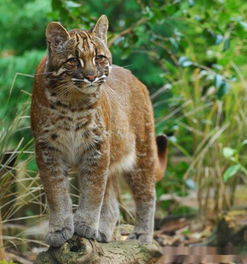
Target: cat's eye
point(72, 61)
point(100, 57)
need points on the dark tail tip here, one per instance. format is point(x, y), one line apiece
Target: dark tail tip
point(161, 141)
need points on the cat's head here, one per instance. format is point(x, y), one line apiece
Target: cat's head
point(78, 58)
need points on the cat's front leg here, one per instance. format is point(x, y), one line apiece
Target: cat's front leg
point(53, 174)
point(92, 179)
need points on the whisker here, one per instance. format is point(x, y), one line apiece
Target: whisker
point(102, 77)
point(127, 66)
point(43, 73)
point(77, 80)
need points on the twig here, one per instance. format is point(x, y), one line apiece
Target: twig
point(172, 56)
point(127, 31)
point(19, 259)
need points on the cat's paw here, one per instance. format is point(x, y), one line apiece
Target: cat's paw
point(104, 237)
point(142, 237)
point(105, 231)
point(86, 231)
point(59, 237)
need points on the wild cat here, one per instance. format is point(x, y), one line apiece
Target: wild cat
point(97, 118)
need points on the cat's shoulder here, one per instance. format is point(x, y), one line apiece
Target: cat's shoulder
point(120, 71)
point(122, 74)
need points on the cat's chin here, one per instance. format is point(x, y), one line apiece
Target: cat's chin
point(87, 89)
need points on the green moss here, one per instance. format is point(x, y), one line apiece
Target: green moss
point(6, 262)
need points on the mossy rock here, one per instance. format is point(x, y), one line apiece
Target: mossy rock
point(81, 250)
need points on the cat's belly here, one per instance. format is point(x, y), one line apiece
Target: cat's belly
point(123, 151)
point(125, 163)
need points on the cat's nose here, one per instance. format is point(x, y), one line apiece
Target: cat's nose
point(91, 78)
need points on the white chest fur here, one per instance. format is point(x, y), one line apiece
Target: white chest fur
point(70, 134)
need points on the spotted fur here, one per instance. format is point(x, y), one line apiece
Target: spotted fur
point(96, 118)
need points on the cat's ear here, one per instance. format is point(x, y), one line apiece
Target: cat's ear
point(56, 34)
point(101, 27)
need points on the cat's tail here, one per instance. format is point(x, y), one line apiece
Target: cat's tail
point(161, 142)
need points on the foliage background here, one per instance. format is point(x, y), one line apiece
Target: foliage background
point(191, 54)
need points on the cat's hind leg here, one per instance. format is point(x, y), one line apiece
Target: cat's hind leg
point(141, 182)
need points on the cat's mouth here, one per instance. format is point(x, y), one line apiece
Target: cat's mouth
point(87, 86)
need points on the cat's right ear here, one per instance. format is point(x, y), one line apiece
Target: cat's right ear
point(56, 35)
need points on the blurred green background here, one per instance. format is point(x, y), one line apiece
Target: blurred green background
point(191, 54)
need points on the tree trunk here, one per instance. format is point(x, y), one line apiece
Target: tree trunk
point(81, 250)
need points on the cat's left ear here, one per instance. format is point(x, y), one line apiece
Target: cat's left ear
point(101, 28)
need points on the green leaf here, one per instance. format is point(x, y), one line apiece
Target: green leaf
point(243, 24)
point(191, 3)
point(228, 152)
point(223, 89)
point(219, 80)
point(185, 62)
point(244, 142)
point(174, 43)
point(219, 39)
point(231, 171)
point(226, 44)
point(72, 4)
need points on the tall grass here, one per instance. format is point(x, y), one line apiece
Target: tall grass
point(20, 190)
point(209, 137)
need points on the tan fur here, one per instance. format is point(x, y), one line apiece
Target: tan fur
point(101, 130)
